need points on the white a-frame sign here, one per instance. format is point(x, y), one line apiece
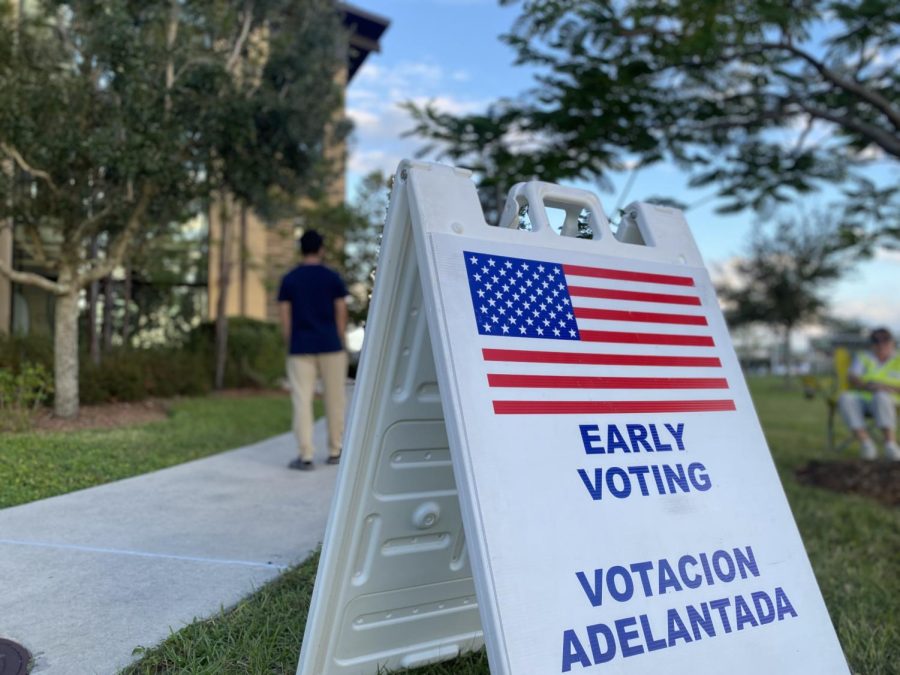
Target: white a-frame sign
point(552, 450)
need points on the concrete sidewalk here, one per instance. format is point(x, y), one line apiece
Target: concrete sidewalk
point(88, 576)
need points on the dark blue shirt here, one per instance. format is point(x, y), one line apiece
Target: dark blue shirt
point(312, 290)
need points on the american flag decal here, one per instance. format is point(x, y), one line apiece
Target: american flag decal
point(592, 323)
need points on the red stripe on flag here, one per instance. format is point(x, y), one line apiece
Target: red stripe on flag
point(641, 317)
point(646, 338)
point(526, 356)
point(616, 294)
point(608, 407)
point(626, 275)
point(583, 382)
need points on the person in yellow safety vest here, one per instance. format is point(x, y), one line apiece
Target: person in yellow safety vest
point(875, 378)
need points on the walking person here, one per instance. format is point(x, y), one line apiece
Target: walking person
point(313, 310)
point(875, 380)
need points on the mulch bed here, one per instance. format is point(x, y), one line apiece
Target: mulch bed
point(114, 415)
point(106, 416)
point(878, 480)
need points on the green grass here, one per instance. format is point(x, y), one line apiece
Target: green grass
point(37, 465)
point(259, 635)
point(853, 544)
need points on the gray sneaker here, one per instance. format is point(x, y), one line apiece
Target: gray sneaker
point(892, 450)
point(868, 450)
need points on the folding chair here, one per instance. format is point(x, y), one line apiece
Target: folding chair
point(839, 437)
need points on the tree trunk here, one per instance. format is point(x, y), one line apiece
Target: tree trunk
point(787, 357)
point(126, 309)
point(107, 313)
point(222, 304)
point(93, 297)
point(243, 258)
point(65, 356)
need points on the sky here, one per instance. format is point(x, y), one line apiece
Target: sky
point(448, 52)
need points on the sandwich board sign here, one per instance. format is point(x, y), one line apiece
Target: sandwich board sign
point(552, 451)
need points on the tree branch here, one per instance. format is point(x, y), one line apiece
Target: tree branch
point(36, 244)
point(801, 139)
point(83, 227)
point(189, 63)
point(232, 62)
point(16, 156)
point(888, 142)
point(31, 279)
point(871, 97)
point(738, 121)
point(116, 252)
point(171, 35)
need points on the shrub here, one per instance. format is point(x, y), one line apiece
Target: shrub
point(136, 374)
point(255, 359)
point(16, 351)
point(120, 376)
point(255, 355)
point(21, 393)
point(171, 372)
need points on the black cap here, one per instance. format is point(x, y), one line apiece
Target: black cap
point(880, 335)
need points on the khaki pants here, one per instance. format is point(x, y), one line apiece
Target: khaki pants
point(303, 371)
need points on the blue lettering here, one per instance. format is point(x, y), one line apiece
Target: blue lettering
point(625, 637)
point(683, 562)
point(638, 436)
point(720, 605)
point(573, 652)
point(640, 472)
point(699, 481)
point(611, 474)
point(615, 440)
point(746, 562)
point(677, 433)
point(596, 488)
point(782, 604)
point(697, 621)
point(652, 644)
point(704, 562)
point(727, 574)
point(658, 444)
point(594, 593)
point(673, 478)
point(667, 578)
point(618, 571)
point(591, 442)
point(677, 631)
point(601, 656)
point(761, 598)
point(658, 479)
point(742, 613)
point(643, 568)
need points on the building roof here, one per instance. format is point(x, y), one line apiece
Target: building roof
point(366, 30)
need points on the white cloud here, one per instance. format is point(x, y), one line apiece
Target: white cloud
point(880, 310)
point(889, 255)
point(363, 119)
point(363, 163)
point(860, 297)
point(406, 76)
point(725, 272)
point(379, 140)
